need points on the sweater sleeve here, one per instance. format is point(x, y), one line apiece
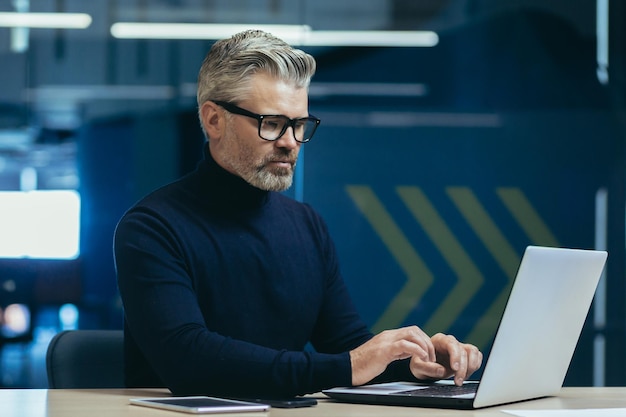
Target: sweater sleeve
point(163, 314)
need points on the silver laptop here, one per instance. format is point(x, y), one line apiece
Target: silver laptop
point(534, 343)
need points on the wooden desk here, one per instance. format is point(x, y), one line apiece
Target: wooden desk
point(114, 402)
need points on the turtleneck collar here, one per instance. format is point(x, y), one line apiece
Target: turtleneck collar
point(225, 190)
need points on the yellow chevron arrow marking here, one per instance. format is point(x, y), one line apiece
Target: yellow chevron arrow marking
point(470, 278)
point(419, 277)
point(526, 216)
point(504, 254)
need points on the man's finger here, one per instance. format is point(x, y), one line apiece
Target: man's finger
point(417, 335)
point(428, 370)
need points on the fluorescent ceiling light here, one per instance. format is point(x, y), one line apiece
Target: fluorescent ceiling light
point(131, 30)
point(45, 20)
point(602, 40)
point(370, 38)
point(294, 34)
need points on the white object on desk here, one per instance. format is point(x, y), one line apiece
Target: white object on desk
point(590, 412)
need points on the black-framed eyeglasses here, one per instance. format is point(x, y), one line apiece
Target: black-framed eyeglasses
point(273, 126)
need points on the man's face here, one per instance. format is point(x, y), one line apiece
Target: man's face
point(268, 165)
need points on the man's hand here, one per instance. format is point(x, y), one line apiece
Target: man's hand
point(452, 359)
point(371, 358)
point(439, 357)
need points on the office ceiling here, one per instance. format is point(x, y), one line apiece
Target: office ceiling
point(50, 71)
point(53, 80)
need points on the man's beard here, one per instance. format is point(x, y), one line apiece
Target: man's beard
point(270, 179)
point(260, 174)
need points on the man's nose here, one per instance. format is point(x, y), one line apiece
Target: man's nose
point(288, 139)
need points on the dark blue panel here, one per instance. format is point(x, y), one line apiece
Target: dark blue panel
point(105, 158)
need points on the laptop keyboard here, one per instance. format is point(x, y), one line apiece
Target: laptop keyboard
point(442, 391)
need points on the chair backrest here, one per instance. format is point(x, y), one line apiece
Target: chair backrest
point(86, 359)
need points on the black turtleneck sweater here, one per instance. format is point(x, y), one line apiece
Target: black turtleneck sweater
point(225, 285)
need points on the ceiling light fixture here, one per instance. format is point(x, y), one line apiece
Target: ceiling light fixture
point(135, 30)
point(406, 38)
point(301, 35)
point(45, 20)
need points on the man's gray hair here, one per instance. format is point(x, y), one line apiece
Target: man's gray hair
point(226, 70)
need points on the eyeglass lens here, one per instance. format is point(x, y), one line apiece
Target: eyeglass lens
point(273, 127)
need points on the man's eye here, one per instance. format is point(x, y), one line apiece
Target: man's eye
point(271, 124)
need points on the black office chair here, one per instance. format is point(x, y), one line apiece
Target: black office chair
point(86, 359)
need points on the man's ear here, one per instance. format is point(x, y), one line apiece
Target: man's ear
point(212, 120)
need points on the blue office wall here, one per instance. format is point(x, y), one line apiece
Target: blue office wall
point(452, 209)
point(432, 199)
point(105, 159)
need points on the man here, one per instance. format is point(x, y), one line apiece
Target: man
point(225, 281)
